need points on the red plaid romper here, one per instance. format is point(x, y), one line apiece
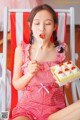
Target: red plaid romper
point(42, 96)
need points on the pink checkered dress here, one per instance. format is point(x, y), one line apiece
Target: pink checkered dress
point(42, 96)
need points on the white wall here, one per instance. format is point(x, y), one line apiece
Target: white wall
point(69, 3)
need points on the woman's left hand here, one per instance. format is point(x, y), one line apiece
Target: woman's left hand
point(67, 85)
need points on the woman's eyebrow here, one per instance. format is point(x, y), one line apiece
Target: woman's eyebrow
point(48, 20)
point(45, 19)
point(36, 19)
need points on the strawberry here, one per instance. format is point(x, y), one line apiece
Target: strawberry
point(60, 64)
point(60, 72)
point(42, 36)
point(69, 62)
point(73, 67)
point(66, 69)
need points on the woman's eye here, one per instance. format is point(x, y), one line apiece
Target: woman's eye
point(47, 23)
point(36, 23)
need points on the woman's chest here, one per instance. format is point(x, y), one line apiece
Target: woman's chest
point(43, 56)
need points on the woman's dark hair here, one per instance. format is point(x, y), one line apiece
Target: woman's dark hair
point(55, 19)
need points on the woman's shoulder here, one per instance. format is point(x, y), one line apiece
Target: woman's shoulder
point(18, 48)
point(22, 46)
point(63, 44)
point(61, 47)
point(22, 52)
point(61, 51)
point(25, 46)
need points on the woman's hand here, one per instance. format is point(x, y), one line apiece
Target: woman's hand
point(67, 85)
point(33, 67)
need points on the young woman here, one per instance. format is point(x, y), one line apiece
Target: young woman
point(41, 94)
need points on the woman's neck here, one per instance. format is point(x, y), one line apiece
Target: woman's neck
point(45, 45)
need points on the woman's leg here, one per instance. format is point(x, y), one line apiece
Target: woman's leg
point(21, 118)
point(71, 112)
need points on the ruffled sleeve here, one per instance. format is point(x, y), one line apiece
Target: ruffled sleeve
point(25, 48)
point(61, 56)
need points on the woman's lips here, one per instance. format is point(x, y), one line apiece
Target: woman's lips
point(42, 36)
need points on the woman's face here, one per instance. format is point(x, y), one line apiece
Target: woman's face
point(43, 25)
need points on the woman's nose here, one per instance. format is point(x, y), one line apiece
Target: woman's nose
point(42, 27)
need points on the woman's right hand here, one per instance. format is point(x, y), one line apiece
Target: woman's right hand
point(33, 67)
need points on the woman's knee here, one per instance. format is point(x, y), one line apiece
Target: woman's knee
point(21, 118)
point(53, 118)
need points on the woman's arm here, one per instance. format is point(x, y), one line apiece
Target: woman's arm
point(72, 112)
point(19, 80)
